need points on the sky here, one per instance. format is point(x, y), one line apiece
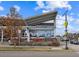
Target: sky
point(32, 8)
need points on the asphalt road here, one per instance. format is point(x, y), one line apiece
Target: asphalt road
point(38, 54)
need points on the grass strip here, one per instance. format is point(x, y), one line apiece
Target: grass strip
point(31, 49)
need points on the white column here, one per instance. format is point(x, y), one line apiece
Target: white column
point(19, 34)
point(28, 35)
point(1, 35)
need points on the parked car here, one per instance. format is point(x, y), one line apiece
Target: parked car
point(64, 39)
point(74, 42)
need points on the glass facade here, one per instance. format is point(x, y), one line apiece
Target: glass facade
point(43, 33)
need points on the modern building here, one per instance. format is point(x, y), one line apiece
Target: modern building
point(42, 25)
point(38, 26)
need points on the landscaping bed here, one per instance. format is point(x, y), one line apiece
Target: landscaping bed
point(43, 42)
point(38, 42)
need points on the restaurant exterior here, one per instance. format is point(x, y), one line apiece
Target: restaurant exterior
point(14, 27)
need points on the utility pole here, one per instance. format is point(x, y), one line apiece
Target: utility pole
point(66, 30)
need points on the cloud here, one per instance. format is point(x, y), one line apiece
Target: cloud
point(17, 7)
point(58, 4)
point(40, 4)
point(45, 11)
point(70, 18)
point(1, 8)
point(77, 21)
point(60, 21)
point(52, 5)
point(3, 15)
point(60, 27)
point(72, 14)
point(70, 28)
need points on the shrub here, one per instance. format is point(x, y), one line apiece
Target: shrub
point(38, 40)
point(55, 42)
point(50, 42)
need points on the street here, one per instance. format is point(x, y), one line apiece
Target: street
point(38, 54)
point(59, 53)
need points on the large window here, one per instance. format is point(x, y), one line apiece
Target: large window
point(42, 33)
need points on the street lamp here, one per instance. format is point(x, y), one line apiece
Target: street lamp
point(66, 30)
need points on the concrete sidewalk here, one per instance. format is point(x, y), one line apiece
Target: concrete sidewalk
point(74, 47)
point(34, 48)
point(48, 48)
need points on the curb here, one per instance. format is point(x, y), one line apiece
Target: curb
point(33, 49)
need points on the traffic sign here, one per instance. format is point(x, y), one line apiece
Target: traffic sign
point(65, 23)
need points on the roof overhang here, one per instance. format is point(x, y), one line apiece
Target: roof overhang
point(42, 18)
